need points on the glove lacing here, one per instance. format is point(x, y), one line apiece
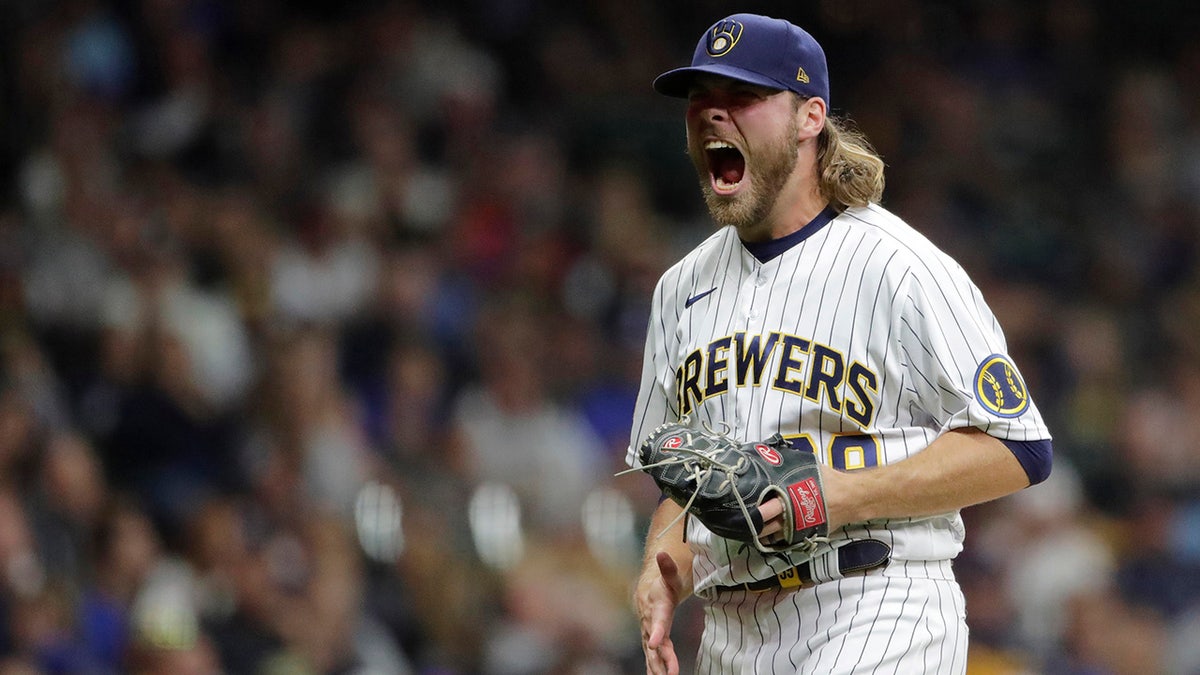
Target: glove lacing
point(700, 466)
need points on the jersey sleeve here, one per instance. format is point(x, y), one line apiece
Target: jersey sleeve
point(957, 358)
point(656, 401)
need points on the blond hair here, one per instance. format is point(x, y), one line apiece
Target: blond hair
point(849, 172)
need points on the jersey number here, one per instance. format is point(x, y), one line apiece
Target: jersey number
point(846, 452)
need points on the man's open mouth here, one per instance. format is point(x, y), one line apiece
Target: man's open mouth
point(727, 166)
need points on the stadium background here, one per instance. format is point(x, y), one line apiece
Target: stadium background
point(320, 323)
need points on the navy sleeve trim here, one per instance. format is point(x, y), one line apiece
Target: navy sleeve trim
point(1035, 457)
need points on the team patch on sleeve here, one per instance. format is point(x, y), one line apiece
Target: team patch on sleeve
point(999, 388)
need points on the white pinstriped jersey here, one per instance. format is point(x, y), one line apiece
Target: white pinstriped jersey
point(862, 342)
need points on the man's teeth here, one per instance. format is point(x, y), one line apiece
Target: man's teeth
point(721, 171)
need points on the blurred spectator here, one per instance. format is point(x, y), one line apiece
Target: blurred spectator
point(1048, 554)
point(324, 276)
point(1107, 635)
point(125, 551)
point(317, 422)
point(67, 506)
point(516, 434)
point(1157, 573)
point(262, 262)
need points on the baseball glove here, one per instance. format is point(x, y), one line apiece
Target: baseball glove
point(723, 482)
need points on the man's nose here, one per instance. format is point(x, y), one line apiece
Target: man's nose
point(710, 110)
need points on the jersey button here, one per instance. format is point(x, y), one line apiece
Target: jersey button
point(760, 281)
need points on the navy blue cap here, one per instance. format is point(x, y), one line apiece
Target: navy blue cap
point(757, 49)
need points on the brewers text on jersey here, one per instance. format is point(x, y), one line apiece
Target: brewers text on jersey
point(793, 364)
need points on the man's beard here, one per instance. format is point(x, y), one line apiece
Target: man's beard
point(773, 165)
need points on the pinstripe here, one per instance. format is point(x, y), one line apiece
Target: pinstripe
point(930, 639)
point(833, 260)
point(870, 626)
point(757, 268)
point(800, 611)
point(862, 278)
point(781, 646)
point(923, 260)
point(888, 353)
point(942, 604)
point(844, 631)
point(729, 250)
point(724, 633)
point(763, 640)
point(800, 305)
point(940, 327)
point(932, 385)
point(704, 660)
point(925, 652)
point(821, 304)
point(961, 630)
point(898, 625)
point(811, 643)
point(857, 298)
point(942, 607)
point(799, 311)
point(877, 293)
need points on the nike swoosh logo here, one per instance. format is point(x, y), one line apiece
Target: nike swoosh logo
point(698, 297)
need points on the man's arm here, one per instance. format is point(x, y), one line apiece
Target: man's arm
point(665, 582)
point(960, 468)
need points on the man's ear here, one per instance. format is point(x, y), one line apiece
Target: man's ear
point(811, 115)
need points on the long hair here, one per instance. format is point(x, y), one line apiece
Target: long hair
point(849, 172)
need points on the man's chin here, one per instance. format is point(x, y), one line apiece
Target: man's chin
point(733, 209)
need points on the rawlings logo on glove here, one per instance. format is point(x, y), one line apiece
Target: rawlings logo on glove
point(723, 482)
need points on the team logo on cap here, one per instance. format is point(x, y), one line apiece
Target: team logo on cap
point(999, 388)
point(723, 36)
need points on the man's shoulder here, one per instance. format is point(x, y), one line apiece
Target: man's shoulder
point(874, 217)
point(890, 230)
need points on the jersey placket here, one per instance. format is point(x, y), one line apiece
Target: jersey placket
point(753, 295)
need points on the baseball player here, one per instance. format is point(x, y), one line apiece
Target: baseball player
point(815, 313)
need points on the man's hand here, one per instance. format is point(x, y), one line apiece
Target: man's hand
point(772, 509)
point(772, 515)
point(655, 599)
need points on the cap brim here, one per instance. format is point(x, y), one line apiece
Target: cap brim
point(678, 82)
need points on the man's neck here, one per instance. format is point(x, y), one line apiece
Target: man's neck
point(794, 209)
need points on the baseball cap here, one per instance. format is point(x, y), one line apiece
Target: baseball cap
point(757, 49)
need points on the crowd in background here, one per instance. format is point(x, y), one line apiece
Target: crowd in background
point(321, 323)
